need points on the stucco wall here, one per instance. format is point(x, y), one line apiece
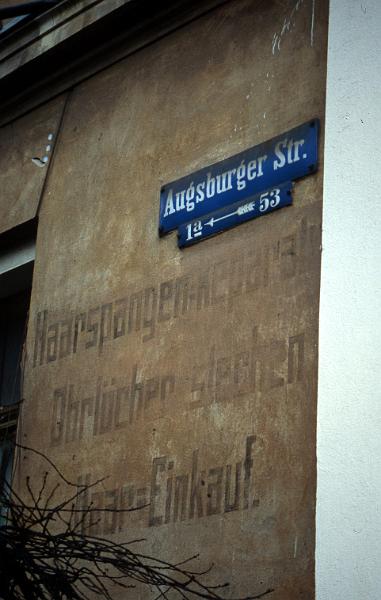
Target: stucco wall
point(348, 551)
point(187, 377)
point(26, 149)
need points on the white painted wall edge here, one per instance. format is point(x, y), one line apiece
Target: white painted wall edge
point(348, 518)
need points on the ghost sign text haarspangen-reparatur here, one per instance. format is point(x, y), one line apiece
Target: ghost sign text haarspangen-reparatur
point(284, 158)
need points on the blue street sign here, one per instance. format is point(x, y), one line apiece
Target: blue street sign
point(230, 216)
point(286, 157)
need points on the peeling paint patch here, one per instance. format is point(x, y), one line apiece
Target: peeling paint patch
point(42, 162)
point(38, 162)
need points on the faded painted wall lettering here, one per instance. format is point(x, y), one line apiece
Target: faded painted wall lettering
point(262, 367)
point(199, 493)
point(116, 404)
point(142, 311)
point(113, 406)
point(175, 495)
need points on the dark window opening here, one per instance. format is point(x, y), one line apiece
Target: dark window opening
point(14, 309)
point(13, 317)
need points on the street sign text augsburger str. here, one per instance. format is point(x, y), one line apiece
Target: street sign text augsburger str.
point(286, 157)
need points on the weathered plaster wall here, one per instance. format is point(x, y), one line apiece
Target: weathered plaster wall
point(348, 550)
point(21, 178)
point(199, 367)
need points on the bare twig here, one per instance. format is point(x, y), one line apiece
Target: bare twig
point(41, 561)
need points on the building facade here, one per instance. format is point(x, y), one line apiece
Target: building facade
point(189, 376)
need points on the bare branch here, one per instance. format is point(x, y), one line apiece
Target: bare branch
point(47, 552)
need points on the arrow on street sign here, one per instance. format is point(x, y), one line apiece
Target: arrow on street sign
point(235, 214)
